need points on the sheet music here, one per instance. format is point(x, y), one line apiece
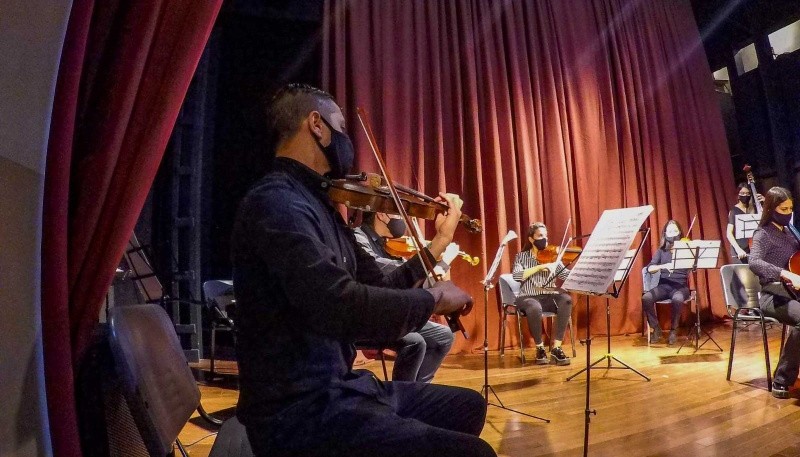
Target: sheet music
point(492, 269)
point(745, 225)
point(597, 266)
point(685, 251)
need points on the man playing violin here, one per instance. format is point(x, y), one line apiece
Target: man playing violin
point(306, 291)
point(774, 244)
point(537, 295)
point(420, 353)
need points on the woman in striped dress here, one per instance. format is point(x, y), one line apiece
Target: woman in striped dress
point(537, 295)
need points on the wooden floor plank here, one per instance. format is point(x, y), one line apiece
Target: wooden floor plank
point(688, 409)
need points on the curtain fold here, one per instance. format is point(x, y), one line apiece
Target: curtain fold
point(124, 73)
point(543, 110)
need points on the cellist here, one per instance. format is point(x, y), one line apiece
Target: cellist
point(774, 244)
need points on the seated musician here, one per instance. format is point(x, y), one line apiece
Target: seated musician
point(536, 296)
point(773, 246)
point(739, 247)
point(673, 284)
point(420, 353)
point(306, 291)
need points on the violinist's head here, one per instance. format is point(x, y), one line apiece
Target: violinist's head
point(670, 233)
point(778, 207)
point(536, 231)
point(385, 225)
point(745, 195)
point(307, 125)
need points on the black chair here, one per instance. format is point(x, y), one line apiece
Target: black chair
point(218, 294)
point(157, 383)
point(741, 288)
point(378, 347)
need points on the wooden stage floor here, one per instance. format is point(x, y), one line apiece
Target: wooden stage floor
point(688, 409)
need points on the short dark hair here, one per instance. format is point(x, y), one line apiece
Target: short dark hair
point(289, 106)
point(775, 196)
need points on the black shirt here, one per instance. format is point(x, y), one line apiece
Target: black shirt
point(305, 292)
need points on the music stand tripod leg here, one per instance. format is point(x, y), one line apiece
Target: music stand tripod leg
point(486, 386)
point(609, 356)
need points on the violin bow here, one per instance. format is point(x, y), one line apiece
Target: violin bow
point(452, 320)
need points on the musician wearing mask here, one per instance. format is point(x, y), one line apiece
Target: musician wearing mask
point(739, 248)
point(306, 291)
point(538, 294)
point(774, 243)
point(420, 353)
point(673, 284)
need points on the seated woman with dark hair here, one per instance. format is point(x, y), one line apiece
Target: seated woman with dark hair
point(673, 285)
point(773, 246)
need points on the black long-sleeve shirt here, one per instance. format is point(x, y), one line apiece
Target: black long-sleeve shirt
point(772, 249)
point(305, 291)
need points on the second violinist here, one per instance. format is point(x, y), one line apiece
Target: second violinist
point(537, 296)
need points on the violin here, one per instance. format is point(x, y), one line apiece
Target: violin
point(550, 254)
point(404, 247)
point(368, 197)
point(363, 192)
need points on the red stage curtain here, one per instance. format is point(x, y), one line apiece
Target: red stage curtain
point(124, 73)
point(539, 110)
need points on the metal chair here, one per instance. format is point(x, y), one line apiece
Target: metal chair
point(742, 289)
point(218, 294)
point(649, 282)
point(509, 289)
point(157, 383)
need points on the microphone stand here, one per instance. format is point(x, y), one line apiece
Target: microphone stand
point(487, 284)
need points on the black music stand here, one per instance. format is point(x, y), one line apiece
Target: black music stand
point(620, 278)
point(595, 271)
point(487, 284)
point(697, 254)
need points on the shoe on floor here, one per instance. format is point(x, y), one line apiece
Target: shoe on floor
point(672, 338)
point(655, 335)
point(557, 355)
point(541, 356)
point(780, 391)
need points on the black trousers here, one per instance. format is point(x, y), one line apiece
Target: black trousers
point(665, 291)
point(410, 419)
point(533, 306)
point(786, 311)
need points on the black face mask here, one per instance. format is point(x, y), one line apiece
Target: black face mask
point(540, 243)
point(397, 227)
point(340, 152)
point(744, 199)
point(781, 219)
point(672, 239)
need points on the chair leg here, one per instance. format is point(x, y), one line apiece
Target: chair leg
point(733, 344)
point(213, 349)
point(383, 364)
point(572, 337)
point(521, 345)
point(181, 448)
point(503, 334)
point(766, 353)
